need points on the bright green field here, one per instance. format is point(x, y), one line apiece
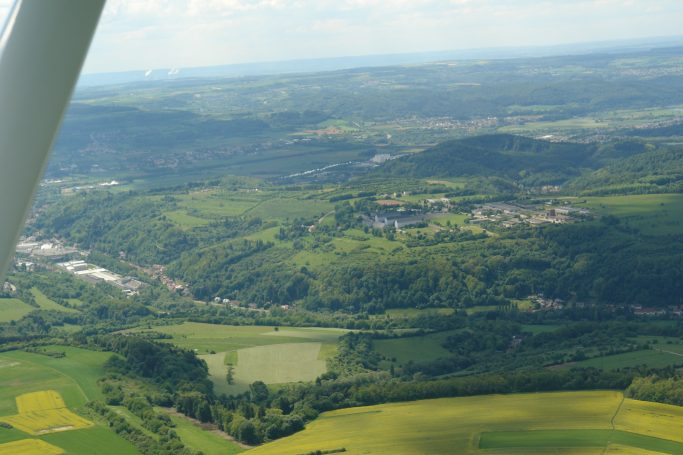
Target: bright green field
point(266, 235)
point(454, 218)
point(96, 440)
point(455, 426)
point(74, 377)
point(201, 440)
point(279, 363)
point(13, 309)
point(212, 204)
point(281, 208)
point(653, 214)
point(272, 364)
point(185, 220)
point(46, 304)
point(575, 438)
point(215, 337)
point(289, 354)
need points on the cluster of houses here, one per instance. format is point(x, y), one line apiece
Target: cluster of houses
point(541, 303)
point(640, 310)
point(237, 304)
point(509, 214)
point(159, 272)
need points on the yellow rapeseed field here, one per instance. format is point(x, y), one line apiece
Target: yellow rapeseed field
point(653, 419)
point(39, 401)
point(454, 425)
point(30, 447)
point(447, 425)
point(44, 412)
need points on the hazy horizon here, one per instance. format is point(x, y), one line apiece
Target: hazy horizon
point(146, 34)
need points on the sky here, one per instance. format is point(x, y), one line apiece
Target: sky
point(147, 34)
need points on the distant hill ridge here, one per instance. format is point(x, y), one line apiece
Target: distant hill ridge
point(519, 158)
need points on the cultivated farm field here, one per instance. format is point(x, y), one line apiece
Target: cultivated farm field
point(578, 423)
point(44, 412)
point(29, 447)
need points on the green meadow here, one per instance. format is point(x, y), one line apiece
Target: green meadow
point(185, 220)
point(13, 309)
point(47, 304)
point(653, 214)
point(201, 440)
point(414, 349)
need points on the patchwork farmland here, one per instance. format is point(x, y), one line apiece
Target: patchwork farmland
point(42, 398)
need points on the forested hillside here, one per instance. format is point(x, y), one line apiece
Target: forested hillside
point(249, 255)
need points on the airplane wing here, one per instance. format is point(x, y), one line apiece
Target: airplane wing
point(42, 49)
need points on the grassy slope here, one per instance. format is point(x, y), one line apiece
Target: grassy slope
point(454, 425)
point(13, 309)
point(46, 304)
point(201, 440)
point(653, 214)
